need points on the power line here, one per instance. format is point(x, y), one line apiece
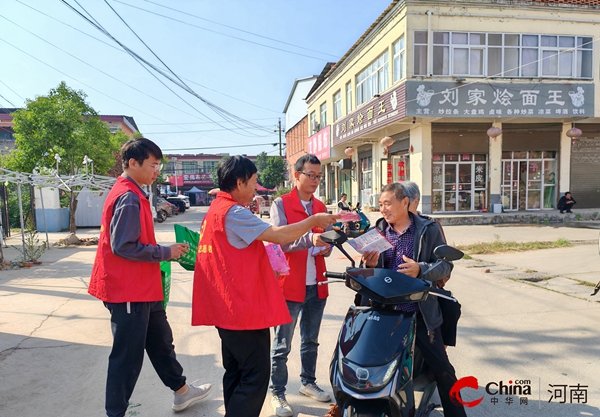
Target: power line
point(223, 113)
point(224, 34)
point(217, 147)
point(122, 51)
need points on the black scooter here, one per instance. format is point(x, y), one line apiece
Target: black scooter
point(375, 370)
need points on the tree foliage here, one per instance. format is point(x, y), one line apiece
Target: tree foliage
point(274, 172)
point(213, 172)
point(62, 123)
point(261, 161)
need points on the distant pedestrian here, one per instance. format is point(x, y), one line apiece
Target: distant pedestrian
point(566, 203)
point(126, 276)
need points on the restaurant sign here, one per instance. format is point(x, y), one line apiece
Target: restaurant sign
point(449, 99)
point(375, 114)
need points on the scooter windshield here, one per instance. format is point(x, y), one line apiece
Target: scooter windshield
point(374, 337)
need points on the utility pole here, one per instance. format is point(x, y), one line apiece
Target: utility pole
point(279, 129)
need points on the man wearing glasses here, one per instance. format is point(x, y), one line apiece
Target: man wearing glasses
point(306, 258)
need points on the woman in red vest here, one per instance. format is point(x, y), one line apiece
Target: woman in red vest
point(126, 276)
point(235, 288)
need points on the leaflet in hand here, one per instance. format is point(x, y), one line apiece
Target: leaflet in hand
point(316, 250)
point(349, 216)
point(370, 241)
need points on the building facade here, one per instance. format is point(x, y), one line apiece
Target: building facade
point(435, 76)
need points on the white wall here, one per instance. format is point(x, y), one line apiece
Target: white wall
point(298, 108)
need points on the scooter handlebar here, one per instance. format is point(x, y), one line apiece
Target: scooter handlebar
point(338, 275)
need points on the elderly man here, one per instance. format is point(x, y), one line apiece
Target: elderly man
point(413, 239)
point(235, 288)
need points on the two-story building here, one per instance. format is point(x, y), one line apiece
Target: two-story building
point(433, 78)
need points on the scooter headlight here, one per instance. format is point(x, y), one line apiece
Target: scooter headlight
point(369, 378)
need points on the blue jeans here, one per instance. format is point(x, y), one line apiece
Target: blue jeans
point(310, 323)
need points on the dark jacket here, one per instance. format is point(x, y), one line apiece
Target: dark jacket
point(427, 237)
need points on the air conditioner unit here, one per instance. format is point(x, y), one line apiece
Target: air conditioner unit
point(345, 163)
point(316, 127)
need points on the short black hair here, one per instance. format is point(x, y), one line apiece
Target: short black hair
point(139, 149)
point(232, 169)
point(309, 157)
point(344, 195)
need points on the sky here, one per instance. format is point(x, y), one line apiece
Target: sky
point(234, 62)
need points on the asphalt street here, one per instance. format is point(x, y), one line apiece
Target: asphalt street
point(525, 321)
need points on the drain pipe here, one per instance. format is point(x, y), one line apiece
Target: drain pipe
point(429, 45)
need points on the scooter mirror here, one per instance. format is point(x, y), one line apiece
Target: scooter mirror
point(333, 237)
point(447, 253)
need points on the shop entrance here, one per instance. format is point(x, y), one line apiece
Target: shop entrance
point(528, 180)
point(459, 182)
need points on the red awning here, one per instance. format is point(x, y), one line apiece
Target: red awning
point(261, 188)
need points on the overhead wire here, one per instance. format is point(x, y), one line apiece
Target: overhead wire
point(223, 113)
point(238, 29)
point(123, 51)
point(220, 33)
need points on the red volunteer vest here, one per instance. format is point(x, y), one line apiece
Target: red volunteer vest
point(234, 289)
point(119, 280)
point(294, 284)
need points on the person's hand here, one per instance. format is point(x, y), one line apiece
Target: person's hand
point(370, 258)
point(178, 250)
point(317, 241)
point(322, 220)
point(441, 282)
point(410, 267)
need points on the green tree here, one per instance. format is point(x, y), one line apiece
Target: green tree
point(274, 173)
point(213, 172)
point(62, 123)
point(261, 162)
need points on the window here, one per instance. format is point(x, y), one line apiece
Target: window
point(372, 80)
point(337, 105)
point(348, 97)
point(398, 52)
point(189, 167)
point(207, 166)
point(420, 51)
point(504, 55)
point(323, 111)
point(313, 128)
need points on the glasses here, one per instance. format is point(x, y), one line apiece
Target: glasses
point(312, 176)
point(157, 167)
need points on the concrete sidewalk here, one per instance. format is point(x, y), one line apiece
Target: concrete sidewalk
point(55, 339)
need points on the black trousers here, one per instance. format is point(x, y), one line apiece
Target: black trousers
point(247, 363)
point(450, 314)
point(137, 327)
point(432, 348)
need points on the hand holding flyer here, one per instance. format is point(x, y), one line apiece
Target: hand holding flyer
point(370, 241)
point(349, 216)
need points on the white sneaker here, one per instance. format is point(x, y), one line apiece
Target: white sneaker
point(281, 406)
point(192, 395)
point(313, 391)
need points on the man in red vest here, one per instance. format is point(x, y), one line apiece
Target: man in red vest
point(235, 288)
point(126, 276)
point(302, 294)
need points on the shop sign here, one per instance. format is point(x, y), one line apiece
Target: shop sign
point(375, 114)
point(319, 144)
point(448, 99)
point(201, 178)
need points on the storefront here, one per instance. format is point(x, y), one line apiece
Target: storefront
point(530, 166)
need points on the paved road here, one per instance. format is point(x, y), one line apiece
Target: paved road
point(55, 339)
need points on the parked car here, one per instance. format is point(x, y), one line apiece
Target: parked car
point(164, 205)
point(261, 205)
point(178, 202)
